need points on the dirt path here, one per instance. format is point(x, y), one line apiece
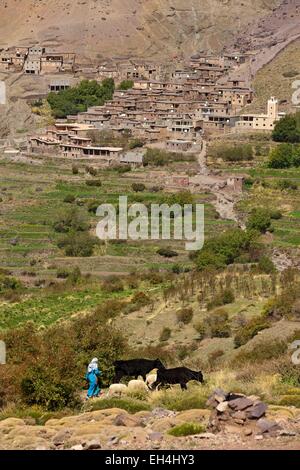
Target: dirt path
point(225, 200)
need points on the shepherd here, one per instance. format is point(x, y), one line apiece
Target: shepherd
point(92, 375)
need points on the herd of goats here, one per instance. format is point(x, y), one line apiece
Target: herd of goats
point(153, 375)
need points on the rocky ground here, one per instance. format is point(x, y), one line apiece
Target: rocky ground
point(235, 422)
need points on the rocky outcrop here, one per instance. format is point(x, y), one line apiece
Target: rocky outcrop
point(238, 413)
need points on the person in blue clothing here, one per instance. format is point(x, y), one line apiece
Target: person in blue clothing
point(91, 376)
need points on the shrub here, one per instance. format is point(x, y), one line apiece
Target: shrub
point(71, 220)
point(135, 143)
point(93, 206)
point(75, 170)
point(62, 273)
point(122, 168)
point(284, 156)
point(287, 129)
point(275, 214)
point(201, 329)
point(93, 182)
point(157, 157)
point(91, 170)
point(224, 298)
point(259, 219)
point(187, 429)
point(126, 85)
point(224, 249)
point(262, 352)
point(290, 400)
point(138, 187)
point(217, 324)
point(78, 244)
point(250, 330)
point(286, 184)
point(112, 285)
point(69, 198)
point(266, 265)
point(167, 253)
point(165, 334)
point(185, 315)
point(232, 153)
point(109, 309)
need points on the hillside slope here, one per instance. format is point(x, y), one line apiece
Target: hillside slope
point(133, 27)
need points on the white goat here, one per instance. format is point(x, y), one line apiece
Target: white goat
point(151, 378)
point(117, 390)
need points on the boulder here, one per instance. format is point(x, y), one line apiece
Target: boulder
point(155, 436)
point(240, 415)
point(77, 447)
point(257, 411)
point(239, 404)
point(93, 445)
point(266, 425)
point(60, 438)
point(223, 406)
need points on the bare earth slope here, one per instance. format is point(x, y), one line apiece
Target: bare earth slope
point(145, 28)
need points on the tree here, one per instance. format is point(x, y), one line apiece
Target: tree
point(287, 129)
point(282, 156)
point(126, 85)
point(78, 244)
point(259, 219)
point(77, 99)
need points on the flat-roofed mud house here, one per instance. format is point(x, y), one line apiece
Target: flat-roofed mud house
point(261, 122)
point(71, 140)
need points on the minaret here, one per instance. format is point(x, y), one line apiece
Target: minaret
point(273, 108)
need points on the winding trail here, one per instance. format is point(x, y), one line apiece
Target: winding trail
point(225, 198)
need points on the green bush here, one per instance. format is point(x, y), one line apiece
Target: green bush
point(78, 244)
point(135, 143)
point(126, 85)
point(167, 253)
point(72, 219)
point(187, 429)
point(266, 265)
point(91, 170)
point(287, 129)
point(138, 187)
point(224, 298)
point(262, 352)
point(284, 156)
point(290, 400)
point(77, 99)
point(93, 182)
point(286, 184)
point(217, 324)
point(75, 170)
point(62, 273)
point(201, 329)
point(250, 330)
point(232, 153)
point(185, 315)
point(156, 157)
point(69, 199)
point(259, 219)
point(224, 249)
